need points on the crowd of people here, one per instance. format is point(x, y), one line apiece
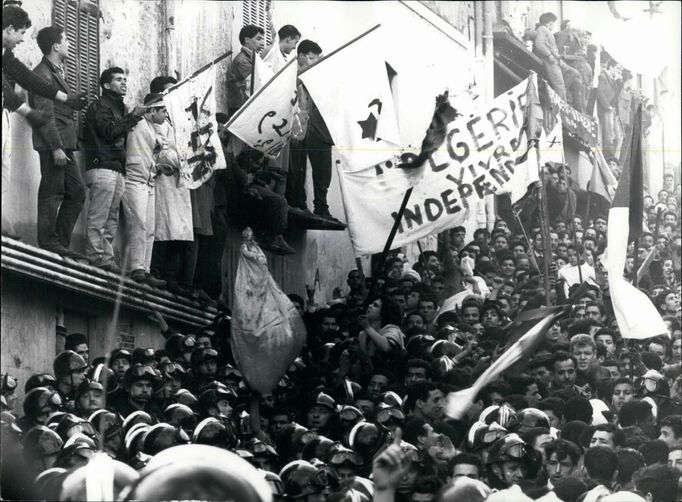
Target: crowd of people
point(361, 414)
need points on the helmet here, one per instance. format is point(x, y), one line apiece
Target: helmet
point(9, 384)
point(275, 482)
point(210, 397)
point(260, 448)
point(68, 362)
point(139, 372)
point(343, 456)
point(322, 399)
point(201, 355)
point(366, 438)
point(301, 479)
point(180, 415)
point(532, 417)
point(652, 384)
point(120, 354)
point(104, 376)
point(162, 436)
point(482, 435)
point(512, 448)
point(86, 386)
point(41, 400)
point(49, 483)
point(75, 486)
point(136, 417)
point(386, 413)
point(317, 448)
point(70, 425)
point(504, 415)
point(213, 432)
point(74, 454)
point(183, 396)
point(40, 380)
point(143, 356)
point(173, 370)
point(134, 438)
point(350, 415)
point(41, 441)
point(199, 472)
point(106, 423)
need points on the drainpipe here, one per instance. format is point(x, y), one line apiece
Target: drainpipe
point(169, 35)
point(489, 90)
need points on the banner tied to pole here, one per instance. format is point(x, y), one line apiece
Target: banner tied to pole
point(264, 122)
point(485, 152)
point(191, 108)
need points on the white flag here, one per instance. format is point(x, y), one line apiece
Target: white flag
point(351, 89)
point(264, 121)
point(191, 108)
point(262, 73)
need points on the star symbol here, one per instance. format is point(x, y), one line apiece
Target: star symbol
point(369, 126)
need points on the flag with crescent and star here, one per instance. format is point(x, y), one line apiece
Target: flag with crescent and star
point(351, 89)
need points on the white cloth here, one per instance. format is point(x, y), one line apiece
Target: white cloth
point(173, 219)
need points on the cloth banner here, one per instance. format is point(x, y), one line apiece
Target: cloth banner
point(485, 149)
point(264, 121)
point(581, 127)
point(191, 108)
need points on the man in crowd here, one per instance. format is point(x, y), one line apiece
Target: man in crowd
point(61, 193)
point(139, 195)
point(107, 123)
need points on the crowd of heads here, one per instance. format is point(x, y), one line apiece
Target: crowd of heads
point(586, 411)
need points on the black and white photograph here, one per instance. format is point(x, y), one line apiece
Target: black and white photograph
point(341, 251)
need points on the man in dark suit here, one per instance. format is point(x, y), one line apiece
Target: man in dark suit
point(61, 193)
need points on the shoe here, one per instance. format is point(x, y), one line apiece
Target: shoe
point(69, 253)
point(153, 281)
point(9, 235)
point(111, 267)
point(280, 246)
point(202, 297)
point(325, 214)
point(138, 276)
point(55, 248)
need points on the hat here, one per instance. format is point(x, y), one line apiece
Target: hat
point(411, 274)
point(153, 100)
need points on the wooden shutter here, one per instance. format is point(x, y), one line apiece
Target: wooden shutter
point(256, 12)
point(80, 21)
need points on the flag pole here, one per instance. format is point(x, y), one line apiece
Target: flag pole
point(531, 255)
point(205, 67)
point(634, 266)
point(544, 226)
point(387, 246)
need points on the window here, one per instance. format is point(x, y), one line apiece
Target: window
point(256, 12)
point(80, 20)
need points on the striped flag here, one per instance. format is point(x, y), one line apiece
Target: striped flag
point(635, 313)
point(457, 403)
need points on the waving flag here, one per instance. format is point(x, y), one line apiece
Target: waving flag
point(457, 403)
point(351, 89)
point(191, 108)
point(636, 315)
point(264, 121)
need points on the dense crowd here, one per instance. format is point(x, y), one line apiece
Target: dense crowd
point(361, 414)
point(588, 412)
